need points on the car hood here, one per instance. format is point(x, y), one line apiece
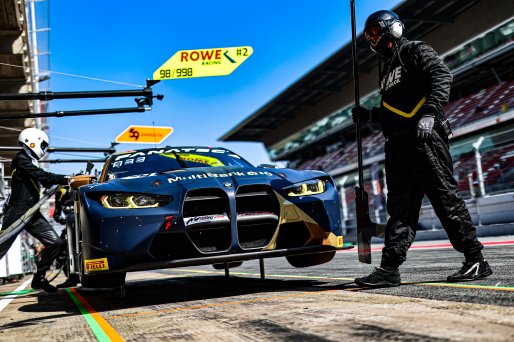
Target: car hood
point(211, 176)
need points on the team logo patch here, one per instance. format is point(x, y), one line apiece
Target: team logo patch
point(96, 265)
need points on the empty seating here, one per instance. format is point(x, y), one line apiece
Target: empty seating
point(461, 112)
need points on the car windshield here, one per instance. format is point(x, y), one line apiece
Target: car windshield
point(161, 160)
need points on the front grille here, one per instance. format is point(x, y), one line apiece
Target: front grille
point(258, 213)
point(211, 239)
point(201, 202)
point(208, 234)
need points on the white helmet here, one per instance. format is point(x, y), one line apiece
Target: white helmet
point(35, 140)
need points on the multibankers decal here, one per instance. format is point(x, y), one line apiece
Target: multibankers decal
point(391, 79)
point(220, 175)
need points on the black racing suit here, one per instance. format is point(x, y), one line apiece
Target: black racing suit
point(416, 84)
point(25, 189)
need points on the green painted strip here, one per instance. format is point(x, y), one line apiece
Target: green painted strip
point(15, 292)
point(95, 328)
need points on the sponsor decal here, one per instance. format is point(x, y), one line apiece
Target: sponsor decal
point(196, 158)
point(129, 161)
point(188, 221)
point(134, 154)
point(143, 175)
point(391, 79)
point(93, 265)
point(254, 213)
point(220, 175)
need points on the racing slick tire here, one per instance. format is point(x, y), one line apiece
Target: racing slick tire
point(96, 281)
point(310, 259)
point(102, 281)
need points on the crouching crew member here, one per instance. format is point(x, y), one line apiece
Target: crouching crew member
point(27, 178)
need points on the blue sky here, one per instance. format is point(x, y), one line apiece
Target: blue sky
point(126, 41)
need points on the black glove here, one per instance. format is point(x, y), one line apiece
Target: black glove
point(58, 218)
point(425, 127)
point(360, 113)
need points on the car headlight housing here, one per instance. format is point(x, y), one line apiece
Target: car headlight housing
point(133, 201)
point(307, 188)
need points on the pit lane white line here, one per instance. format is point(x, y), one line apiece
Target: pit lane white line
point(8, 299)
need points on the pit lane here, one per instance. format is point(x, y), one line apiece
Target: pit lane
point(315, 304)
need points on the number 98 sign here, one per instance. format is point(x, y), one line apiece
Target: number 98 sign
point(203, 63)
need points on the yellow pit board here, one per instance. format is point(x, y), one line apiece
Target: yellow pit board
point(144, 134)
point(203, 63)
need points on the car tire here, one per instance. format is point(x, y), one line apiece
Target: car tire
point(95, 281)
point(310, 259)
point(103, 280)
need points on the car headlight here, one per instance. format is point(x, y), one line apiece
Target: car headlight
point(131, 201)
point(313, 187)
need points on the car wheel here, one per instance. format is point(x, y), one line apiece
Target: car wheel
point(101, 280)
point(310, 259)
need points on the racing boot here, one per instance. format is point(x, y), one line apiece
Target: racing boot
point(39, 282)
point(380, 277)
point(72, 281)
point(471, 270)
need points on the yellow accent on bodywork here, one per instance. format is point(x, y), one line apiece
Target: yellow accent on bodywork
point(289, 213)
point(407, 115)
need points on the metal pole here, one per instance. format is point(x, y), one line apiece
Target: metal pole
point(470, 181)
point(54, 161)
point(35, 62)
point(344, 204)
point(478, 159)
point(480, 175)
point(59, 114)
point(109, 150)
point(357, 94)
point(49, 95)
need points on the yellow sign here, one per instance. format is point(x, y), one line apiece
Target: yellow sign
point(339, 241)
point(144, 134)
point(96, 265)
point(203, 63)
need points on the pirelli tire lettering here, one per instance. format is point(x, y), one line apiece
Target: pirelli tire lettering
point(94, 265)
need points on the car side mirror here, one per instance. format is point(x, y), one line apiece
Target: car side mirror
point(267, 166)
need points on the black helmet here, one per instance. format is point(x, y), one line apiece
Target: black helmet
point(382, 29)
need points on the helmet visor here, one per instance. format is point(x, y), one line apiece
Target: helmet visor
point(44, 147)
point(373, 33)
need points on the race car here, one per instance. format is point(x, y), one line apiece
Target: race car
point(184, 206)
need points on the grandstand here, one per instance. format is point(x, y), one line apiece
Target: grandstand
point(309, 124)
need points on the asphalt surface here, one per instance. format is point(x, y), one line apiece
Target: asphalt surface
point(311, 304)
